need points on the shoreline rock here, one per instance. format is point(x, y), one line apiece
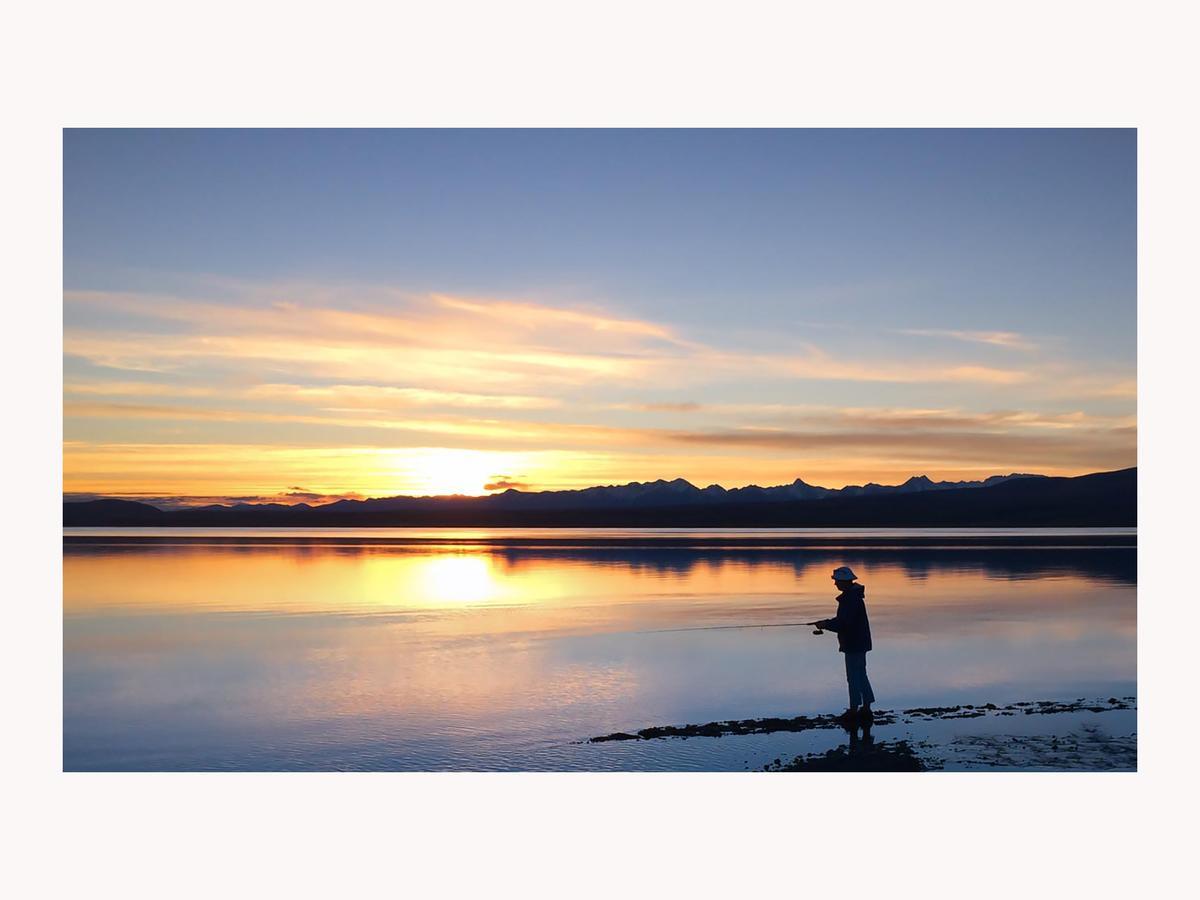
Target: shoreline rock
point(772, 724)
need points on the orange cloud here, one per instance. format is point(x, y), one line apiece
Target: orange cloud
point(532, 315)
point(445, 340)
point(396, 372)
point(380, 397)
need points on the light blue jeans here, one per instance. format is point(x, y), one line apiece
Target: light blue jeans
point(856, 678)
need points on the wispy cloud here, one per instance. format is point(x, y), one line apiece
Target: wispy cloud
point(440, 342)
point(1008, 339)
point(932, 437)
point(325, 396)
point(821, 366)
point(384, 397)
point(374, 367)
point(535, 315)
point(505, 432)
point(686, 406)
point(141, 389)
point(427, 343)
point(930, 449)
point(888, 419)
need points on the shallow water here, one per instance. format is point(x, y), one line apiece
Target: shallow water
point(468, 649)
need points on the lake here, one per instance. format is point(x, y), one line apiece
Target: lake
point(475, 649)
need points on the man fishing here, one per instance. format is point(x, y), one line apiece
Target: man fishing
point(854, 640)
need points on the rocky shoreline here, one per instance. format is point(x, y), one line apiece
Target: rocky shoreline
point(1085, 748)
point(770, 725)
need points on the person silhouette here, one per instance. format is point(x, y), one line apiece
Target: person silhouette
point(854, 641)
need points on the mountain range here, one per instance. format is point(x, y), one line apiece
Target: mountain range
point(1105, 498)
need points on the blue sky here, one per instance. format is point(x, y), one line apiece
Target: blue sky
point(806, 284)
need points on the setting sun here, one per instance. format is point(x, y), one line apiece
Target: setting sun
point(437, 471)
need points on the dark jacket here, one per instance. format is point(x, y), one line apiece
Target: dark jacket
point(851, 624)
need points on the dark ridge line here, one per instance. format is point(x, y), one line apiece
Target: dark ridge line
point(1099, 499)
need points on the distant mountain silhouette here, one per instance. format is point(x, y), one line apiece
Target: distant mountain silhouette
point(1105, 498)
point(680, 491)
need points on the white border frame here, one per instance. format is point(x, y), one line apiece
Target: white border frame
point(616, 64)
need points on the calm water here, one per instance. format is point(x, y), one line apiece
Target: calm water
point(430, 649)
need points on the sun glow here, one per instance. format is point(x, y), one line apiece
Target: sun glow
point(437, 471)
point(458, 579)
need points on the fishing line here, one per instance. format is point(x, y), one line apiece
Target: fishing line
point(725, 627)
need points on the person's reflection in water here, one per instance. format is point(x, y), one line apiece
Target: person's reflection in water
point(862, 746)
point(854, 641)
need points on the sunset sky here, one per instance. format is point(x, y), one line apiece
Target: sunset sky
point(305, 315)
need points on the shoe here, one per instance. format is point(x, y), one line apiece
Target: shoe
point(866, 715)
point(850, 715)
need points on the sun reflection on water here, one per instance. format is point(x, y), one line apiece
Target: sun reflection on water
point(457, 578)
point(391, 656)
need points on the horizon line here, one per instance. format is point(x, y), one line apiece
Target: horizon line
point(314, 500)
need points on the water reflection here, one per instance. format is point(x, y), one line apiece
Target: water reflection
point(246, 655)
point(458, 578)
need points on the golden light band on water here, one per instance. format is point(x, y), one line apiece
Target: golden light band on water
point(459, 578)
